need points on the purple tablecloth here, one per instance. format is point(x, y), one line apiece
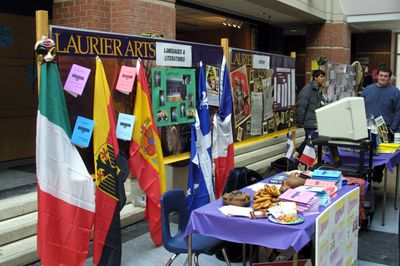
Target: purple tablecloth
point(351, 159)
point(208, 220)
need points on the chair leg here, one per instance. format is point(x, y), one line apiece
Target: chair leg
point(173, 257)
point(226, 257)
point(196, 259)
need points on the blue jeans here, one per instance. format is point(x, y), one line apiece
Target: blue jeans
point(311, 133)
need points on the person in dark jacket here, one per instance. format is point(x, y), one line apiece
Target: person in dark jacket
point(309, 99)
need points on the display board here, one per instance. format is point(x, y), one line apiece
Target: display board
point(263, 92)
point(336, 232)
point(172, 66)
point(80, 47)
point(339, 82)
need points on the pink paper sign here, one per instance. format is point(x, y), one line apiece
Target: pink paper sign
point(76, 81)
point(126, 79)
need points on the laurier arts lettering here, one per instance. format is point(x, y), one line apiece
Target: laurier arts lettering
point(91, 45)
point(240, 59)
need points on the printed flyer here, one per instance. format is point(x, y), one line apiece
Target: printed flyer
point(212, 85)
point(240, 95)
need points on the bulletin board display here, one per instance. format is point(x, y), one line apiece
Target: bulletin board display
point(339, 81)
point(78, 46)
point(266, 112)
point(263, 92)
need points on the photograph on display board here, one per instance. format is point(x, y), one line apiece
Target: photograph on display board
point(212, 85)
point(173, 95)
point(240, 95)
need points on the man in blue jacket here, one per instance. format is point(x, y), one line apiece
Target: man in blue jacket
point(383, 99)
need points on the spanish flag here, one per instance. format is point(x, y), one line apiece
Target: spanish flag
point(146, 161)
point(111, 170)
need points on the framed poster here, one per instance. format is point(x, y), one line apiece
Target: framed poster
point(173, 96)
point(240, 95)
point(212, 76)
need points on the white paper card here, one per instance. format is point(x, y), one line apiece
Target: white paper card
point(125, 126)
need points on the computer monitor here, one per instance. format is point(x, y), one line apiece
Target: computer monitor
point(343, 119)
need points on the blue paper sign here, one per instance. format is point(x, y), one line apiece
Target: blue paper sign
point(82, 132)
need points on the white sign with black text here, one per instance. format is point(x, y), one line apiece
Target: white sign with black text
point(261, 61)
point(169, 54)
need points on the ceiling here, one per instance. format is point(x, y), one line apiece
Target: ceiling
point(207, 14)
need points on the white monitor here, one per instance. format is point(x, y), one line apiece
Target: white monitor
point(343, 119)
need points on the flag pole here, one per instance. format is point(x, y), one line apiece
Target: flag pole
point(287, 159)
point(42, 28)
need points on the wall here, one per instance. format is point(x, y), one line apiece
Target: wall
point(330, 39)
point(376, 46)
point(122, 16)
point(18, 101)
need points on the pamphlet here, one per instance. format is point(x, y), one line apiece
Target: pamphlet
point(76, 81)
point(82, 132)
point(126, 79)
point(125, 126)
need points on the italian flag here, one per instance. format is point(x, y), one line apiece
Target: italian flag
point(66, 200)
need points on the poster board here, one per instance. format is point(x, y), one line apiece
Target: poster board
point(81, 46)
point(78, 46)
point(336, 232)
point(173, 96)
point(271, 96)
point(339, 82)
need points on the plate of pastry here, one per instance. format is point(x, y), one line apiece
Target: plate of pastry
point(287, 219)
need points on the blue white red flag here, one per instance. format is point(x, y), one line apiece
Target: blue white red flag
point(223, 154)
point(200, 181)
point(289, 151)
point(308, 157)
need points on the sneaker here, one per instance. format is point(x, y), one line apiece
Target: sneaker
point(376, 185)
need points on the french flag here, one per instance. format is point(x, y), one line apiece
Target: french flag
point(222, 148)
point(308, 157)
